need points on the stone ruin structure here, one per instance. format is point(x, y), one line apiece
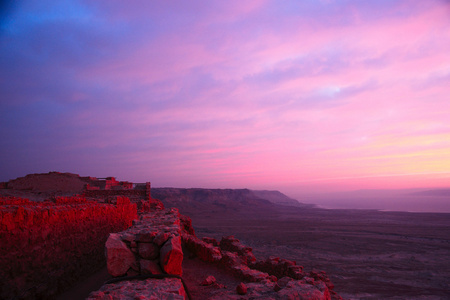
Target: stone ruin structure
point(147, 260)
point(47, 246)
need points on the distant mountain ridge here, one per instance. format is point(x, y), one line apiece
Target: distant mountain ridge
point(198, 199)
point(276, 197)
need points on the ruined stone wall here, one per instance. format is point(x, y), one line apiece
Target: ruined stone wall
point(108, 193)
point(47, 246)
point(144, 193)
point(153, 245)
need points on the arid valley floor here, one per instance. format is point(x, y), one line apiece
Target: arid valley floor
point(367, 254)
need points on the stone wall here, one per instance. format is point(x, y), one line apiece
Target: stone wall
point(151, 246)
point(144, 193)
point(108, 193)
point(47, 246)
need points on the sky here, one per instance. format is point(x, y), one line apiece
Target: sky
point(298, 96)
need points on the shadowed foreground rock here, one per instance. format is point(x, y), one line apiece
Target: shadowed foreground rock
point(167, 288)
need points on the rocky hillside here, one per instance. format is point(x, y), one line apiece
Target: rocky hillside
point(278, 198)
point(195, 200)
point(214, 200)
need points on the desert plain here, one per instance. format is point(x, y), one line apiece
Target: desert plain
point(368, 254)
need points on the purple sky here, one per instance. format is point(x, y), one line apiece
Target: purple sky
point(299, 96)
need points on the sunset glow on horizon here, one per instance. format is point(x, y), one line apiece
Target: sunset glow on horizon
point(299, 96)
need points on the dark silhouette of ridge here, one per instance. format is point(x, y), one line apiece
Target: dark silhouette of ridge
point(193, 200)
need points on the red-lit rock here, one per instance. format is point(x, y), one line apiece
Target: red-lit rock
point(230, 243)
point(241, 289)
point(186, 225)
point(211, 241)
point(201, 249)
point(322, 276)
point(171, 256)
point(119, 257)
point(209, 280)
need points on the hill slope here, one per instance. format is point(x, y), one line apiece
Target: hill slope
point(197, 200)
point(277, 197)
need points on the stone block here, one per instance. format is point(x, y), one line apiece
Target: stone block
point(119, 257)
point(161, 238)
point(171, 256)
point(150, 267)
point(148, 250)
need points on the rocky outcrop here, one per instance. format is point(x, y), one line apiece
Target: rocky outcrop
point(273, 278)
point(279, 267)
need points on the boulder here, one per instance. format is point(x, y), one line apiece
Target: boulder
point(119, 257)
point(241, 289)
point(171, 256)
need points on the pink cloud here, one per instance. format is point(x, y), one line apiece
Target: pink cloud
point(255, 94)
